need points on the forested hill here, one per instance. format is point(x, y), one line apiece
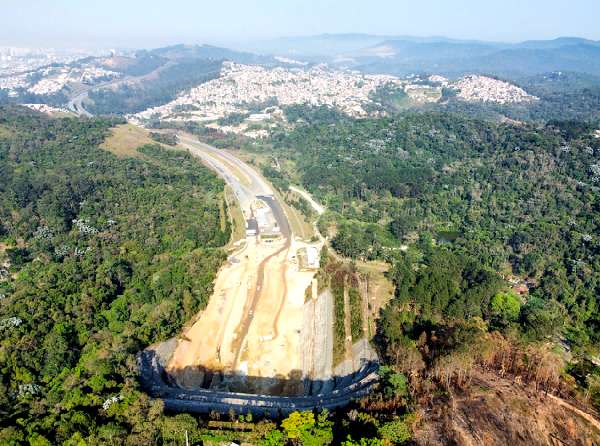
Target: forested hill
point(498, 200)
point(492, 235)
point(102, 256)
point(99, 258)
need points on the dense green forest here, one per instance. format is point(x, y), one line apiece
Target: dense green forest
point(481, 221)
point(490, 230)
point(100, 258)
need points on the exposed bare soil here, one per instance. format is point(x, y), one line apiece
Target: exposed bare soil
point(252, 325)
point(497, 411)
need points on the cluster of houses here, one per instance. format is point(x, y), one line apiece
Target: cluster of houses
point(241, 86)
point(46, 71)
point(477, 88)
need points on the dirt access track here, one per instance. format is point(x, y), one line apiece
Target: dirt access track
point(251, 337)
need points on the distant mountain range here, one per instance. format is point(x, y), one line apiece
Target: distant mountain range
point(332, 45)
point(405, 54)
point(402, 55)
point(188, 52)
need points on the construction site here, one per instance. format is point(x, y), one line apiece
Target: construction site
point(268, 327)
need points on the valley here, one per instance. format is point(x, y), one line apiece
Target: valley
point(348, 239)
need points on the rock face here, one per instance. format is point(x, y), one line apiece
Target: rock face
point(486, 89)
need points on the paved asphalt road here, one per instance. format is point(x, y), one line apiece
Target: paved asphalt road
point(245, 193)
point(76, 105)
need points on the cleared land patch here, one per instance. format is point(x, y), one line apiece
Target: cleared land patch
point(495, 410)
point(125, 140)
point(249, 337)
point(5, 132)
point(380, 290)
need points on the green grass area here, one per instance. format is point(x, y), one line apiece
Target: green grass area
point(356, 319)
point(339, 332)
point(236, 217)
point(125, 139)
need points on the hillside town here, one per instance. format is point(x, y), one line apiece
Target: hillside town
point(258, 95)
point(46, 72)
point(51, 80)
point(247, 89)
point(55, 79)
point(241, 88)
point(477, 88)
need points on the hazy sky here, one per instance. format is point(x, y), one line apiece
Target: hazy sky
point(151, 23)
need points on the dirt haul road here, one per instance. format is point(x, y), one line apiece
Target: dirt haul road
point(250, 337)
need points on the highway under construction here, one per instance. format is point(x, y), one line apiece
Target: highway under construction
point(264, 341)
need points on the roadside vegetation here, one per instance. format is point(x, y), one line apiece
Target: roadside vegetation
point(168, 139)
point(104, 257)
point(489, 230)
point(517, 201)
point(491, 233)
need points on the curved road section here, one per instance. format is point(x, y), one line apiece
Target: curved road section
point(261, 340)
point(157, 383)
